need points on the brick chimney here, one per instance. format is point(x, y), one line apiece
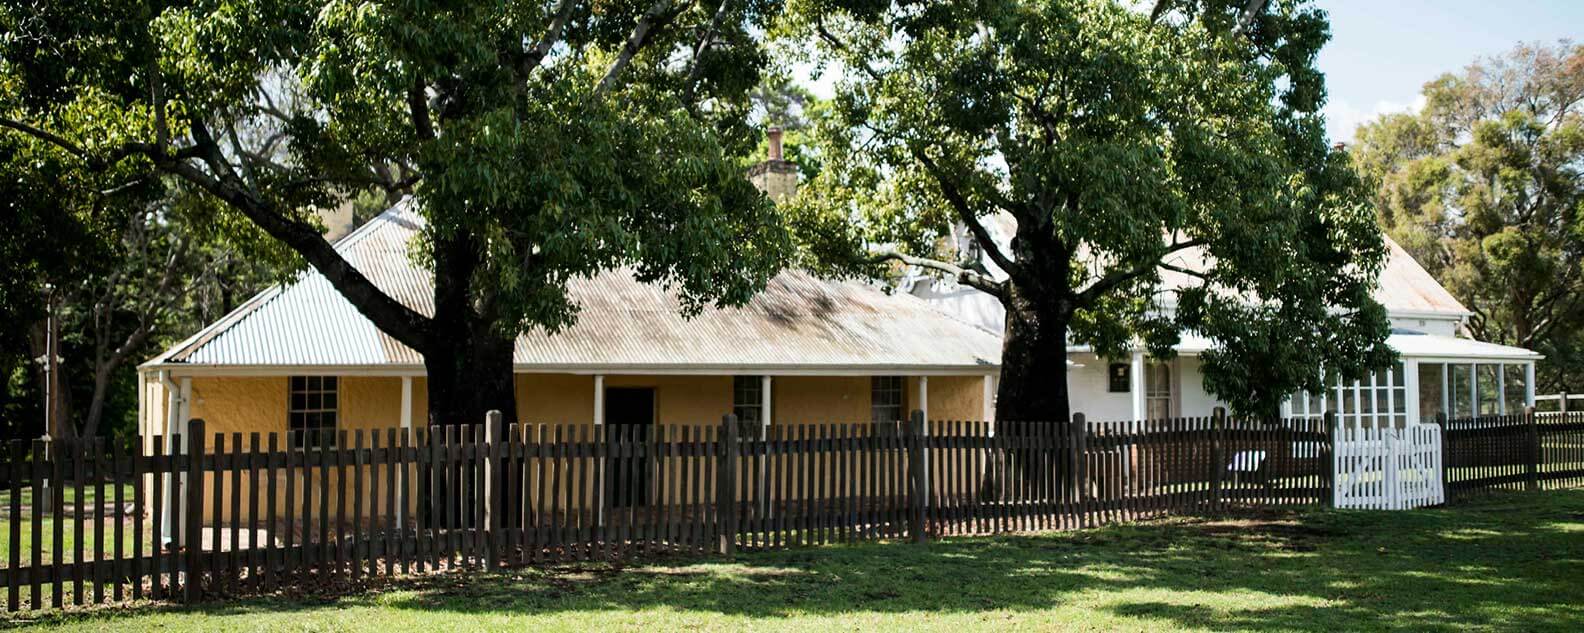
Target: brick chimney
point(776, 176)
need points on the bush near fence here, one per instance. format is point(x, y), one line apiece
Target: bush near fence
point(257, 513)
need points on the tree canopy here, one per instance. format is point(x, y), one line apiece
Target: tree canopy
point(1121, 147)
point(1485, 187)
point(541, 141)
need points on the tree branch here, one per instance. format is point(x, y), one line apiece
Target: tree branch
point(551, 36)
point(1111, 281)
point(418, 104)
point(46, 136)
point(962, 275)
point(966, 215)
point(401, 322)
point(655, 17)
point(695, 70)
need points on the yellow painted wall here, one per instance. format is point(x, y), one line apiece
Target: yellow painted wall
point(249, 405)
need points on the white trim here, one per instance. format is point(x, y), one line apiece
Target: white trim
point(406, 404)
point(1136, 386)
point(406, 429)
point(1529, 385)
point(764, 400)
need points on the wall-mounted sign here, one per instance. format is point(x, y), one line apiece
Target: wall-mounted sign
point(1120, 377)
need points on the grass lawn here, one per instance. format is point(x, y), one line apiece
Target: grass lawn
point(1513, 562)
point(69, 494)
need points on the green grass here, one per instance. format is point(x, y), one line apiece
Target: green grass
point(69, 540)
point(69, 494)
point(1513, 562)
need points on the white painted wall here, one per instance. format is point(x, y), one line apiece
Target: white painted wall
point(1436, 326)
point(1086, 391)
point(1193, 400)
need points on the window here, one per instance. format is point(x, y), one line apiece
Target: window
point(1515, 394)
point(1432, 391)
point(748, 398)
point(1380, 398)
point(1488, 388)
point(1157, 391)
point(311, 408)
point(885, 398)
point(1460, 380)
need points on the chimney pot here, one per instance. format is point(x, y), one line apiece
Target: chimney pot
point(775, 143)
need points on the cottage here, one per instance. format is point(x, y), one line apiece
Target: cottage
point(1440, 370)
point(299, 357)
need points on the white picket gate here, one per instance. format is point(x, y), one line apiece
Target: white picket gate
point(1387, 468)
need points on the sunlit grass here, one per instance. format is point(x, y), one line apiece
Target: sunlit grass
point(1512, 562)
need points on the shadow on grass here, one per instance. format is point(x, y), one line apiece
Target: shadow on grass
point(1513, 562)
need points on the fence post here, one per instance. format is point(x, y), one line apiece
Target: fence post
point(1446, 448)
point(726, 493)
point(1075, 455)
point(1217, 456)
point(1562, 399)
point(492, 422)
point(192, 589)
point(918, 460)
point(1532, 467)
point(1330, 422)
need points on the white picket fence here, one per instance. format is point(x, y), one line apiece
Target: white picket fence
point(1387, 468)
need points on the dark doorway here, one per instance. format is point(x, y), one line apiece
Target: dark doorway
point(629, 416)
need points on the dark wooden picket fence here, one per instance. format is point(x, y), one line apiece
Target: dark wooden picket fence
point(234, 514)
point(1527, 451)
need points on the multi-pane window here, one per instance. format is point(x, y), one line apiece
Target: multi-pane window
point(1463, 390)
point(311, 407)
point(748, 398)
point(1380, 398)
point(1157, 391)
point(885, 398)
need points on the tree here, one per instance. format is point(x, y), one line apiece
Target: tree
point(1485, 187)
point(542, 141)
point(130, 272)
point(1122, 146)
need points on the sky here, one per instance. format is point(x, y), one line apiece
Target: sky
point(1383, 51)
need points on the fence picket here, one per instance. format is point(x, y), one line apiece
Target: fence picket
point(567, 492)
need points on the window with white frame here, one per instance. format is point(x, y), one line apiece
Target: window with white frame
point(748, 398)
point(885, 398)
point(1462, 390)
point(312, 406)
point(1380, 398)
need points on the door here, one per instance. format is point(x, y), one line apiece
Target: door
point(629, 416)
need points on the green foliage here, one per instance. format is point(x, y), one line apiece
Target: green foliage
point(1115, 145)
point(1485, 187)
point(542, 141)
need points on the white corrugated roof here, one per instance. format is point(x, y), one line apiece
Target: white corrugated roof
point(799, 321)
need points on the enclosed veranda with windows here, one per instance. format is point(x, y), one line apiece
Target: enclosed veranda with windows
point(1435, 375)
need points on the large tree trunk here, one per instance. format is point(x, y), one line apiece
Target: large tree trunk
point(469, 375)
point(1033, 360)
point(468, 362)
point(1033, 378)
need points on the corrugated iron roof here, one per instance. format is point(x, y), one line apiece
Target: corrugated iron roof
point(799, 321)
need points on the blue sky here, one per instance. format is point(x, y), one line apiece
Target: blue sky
point(1383, 51)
